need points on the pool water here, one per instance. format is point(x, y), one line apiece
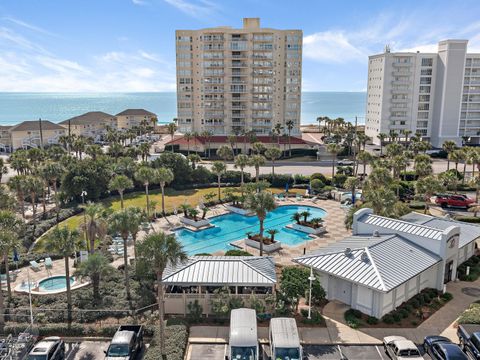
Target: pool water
point(233, 227)
point(54, 283)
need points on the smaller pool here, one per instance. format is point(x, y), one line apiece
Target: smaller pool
point(54, 283)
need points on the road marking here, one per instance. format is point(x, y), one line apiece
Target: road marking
point(71, 352)
point(379, 352)
point(340, 351)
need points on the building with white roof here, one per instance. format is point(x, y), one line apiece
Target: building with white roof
point(387, 261)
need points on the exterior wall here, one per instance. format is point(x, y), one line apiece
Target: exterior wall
point(21, 138)
point(125, 122)
point(435, 94)
point(231, 80)
point(5, 139)
point(88, 130)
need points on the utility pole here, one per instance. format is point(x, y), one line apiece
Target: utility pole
point(41, 132)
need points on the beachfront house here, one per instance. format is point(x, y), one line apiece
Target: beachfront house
point(135, 117)
point(5, 139)
point(201, 277)
point(93, 124)
point(388, 261)
point(31, 134)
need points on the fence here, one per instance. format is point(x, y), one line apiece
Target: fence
point(177, 304)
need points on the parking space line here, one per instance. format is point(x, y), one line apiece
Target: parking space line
point(340, 351)
point(379, 352)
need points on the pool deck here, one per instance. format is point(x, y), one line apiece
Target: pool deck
point(333, 222)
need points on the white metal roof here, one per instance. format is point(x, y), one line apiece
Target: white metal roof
point(381, 263)
point(222, 270)
point(284, 333)
point(402, 226)
point(243, 327)
point(468, 232)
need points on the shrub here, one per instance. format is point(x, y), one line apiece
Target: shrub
point(339, 180)
point(235, 252)
point(203, 254)
point(319, 176)
point(471, 315)
point(388, 319)
point(447, 296)
point(353, 312)
point(175, 343)
point(414, 303)
point(408, 307)
point(397, 317)
point(417, 205)
point(317, 184)
point(195, 311)
point(403, 313)
point(371, 320)
point(468, 219)
point(426, 298)
point(316, 318)
point(201, 175)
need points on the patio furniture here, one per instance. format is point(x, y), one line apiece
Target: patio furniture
point(34, 265)
point(48, 263)
point(299, 197)
point(12, 275)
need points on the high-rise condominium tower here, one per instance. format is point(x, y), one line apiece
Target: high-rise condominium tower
point(231, 81)
point(434, 94)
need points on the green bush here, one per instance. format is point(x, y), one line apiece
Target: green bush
point(447, 296)
point(320, 177)
point(237, 253)
point(371, 320)
point(397, 317)
point(388, 319)
point(317, 184)
point(316, 318)
point(403, 313)
point(195, 311)
point(339, 180)
point(175, 343)
point(408, 307)
point(417, 205)
point(353, 312)
point(414, 303)
point(468, 219)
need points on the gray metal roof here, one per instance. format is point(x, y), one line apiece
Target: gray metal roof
point(402, 226)
point(381, 263)
point(222, 270)
point(243, 327)
point(284, 333)
point(468, 232)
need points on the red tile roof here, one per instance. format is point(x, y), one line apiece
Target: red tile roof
point(240, 139)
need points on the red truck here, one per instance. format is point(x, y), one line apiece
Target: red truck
point(456, 200)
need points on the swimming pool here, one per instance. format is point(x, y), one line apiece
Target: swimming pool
point(54, 283)
point(233, 227)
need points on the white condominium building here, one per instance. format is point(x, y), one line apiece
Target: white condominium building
point(434, 94)
point(234, 80)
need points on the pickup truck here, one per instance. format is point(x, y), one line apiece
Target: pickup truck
point(457, 200)
point(469, 337)
point(400, 348)
point(126, 344)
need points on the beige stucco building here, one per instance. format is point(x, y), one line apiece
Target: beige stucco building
point(27, 134)
point(230, 80)
point(92, 124)
point(5, 140)
point(134, 117)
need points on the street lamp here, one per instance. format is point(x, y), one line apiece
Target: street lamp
point(310, 278)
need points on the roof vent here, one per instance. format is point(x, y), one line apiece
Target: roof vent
point(365, 257)
point(348, 251)
point(376, 233)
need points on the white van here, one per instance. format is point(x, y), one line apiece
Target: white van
point(243, 341)
point(284, 339)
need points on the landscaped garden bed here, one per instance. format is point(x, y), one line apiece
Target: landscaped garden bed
point(191, 217)
point(309, 226)
point(474, 264)
point(409, 314)
point(269, 243)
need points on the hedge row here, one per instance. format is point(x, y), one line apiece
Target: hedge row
point(175, 343)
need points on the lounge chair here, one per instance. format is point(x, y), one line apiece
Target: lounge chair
point(34, 265)
point(298, 197)
point(281, 197)
point(48, 263)
point(3, 277)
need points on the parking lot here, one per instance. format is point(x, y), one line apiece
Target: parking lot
point(310, 352)
point(88, 350)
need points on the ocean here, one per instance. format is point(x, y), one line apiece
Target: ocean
point(17, 107)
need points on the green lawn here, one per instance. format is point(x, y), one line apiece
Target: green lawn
point(173, 199)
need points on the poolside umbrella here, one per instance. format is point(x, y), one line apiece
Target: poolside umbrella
point(286, 187)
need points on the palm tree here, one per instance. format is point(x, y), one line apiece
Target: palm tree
point(475, 182)
point(365, 157)
point(256, 161)
point(225, 152)
point(241, 162)
point(18, 184)
point(144, 150)
point(95, 226)
point(10, 227)
point(171, 130)
point(297, 217)
point(427, 187)
point(260, 203)
point(218, 168)
point(232, 140)
point(136, 218)
point(94, 151)
point(449, 146)
point(34, 186)
point(290, 125)
point(194, 159)
point(3, 168)
point(351, 184)
point(382, 138)
point(272, 233)
point(207, 135)
point(273, 154)
point(94, 268)
point(146, 175)
point(163, 176)
point(305, 215)
point(120, 222)
point(63, 241)
point(52, 172)
point(334, 149)
point(157, 251)
point(188, 136)
point(120, 183)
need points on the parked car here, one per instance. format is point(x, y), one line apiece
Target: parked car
point(456, 200)
point(469, 337)
point(126, 344)
point(50, 348)
point(400, 348)
point(345, 163)
point(441, 348)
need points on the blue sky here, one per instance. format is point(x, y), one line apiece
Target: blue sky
point(129, 45)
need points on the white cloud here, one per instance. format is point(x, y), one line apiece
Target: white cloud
point(331, 46)
point(28, 26)
point(197, 9)
point(139, 2)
